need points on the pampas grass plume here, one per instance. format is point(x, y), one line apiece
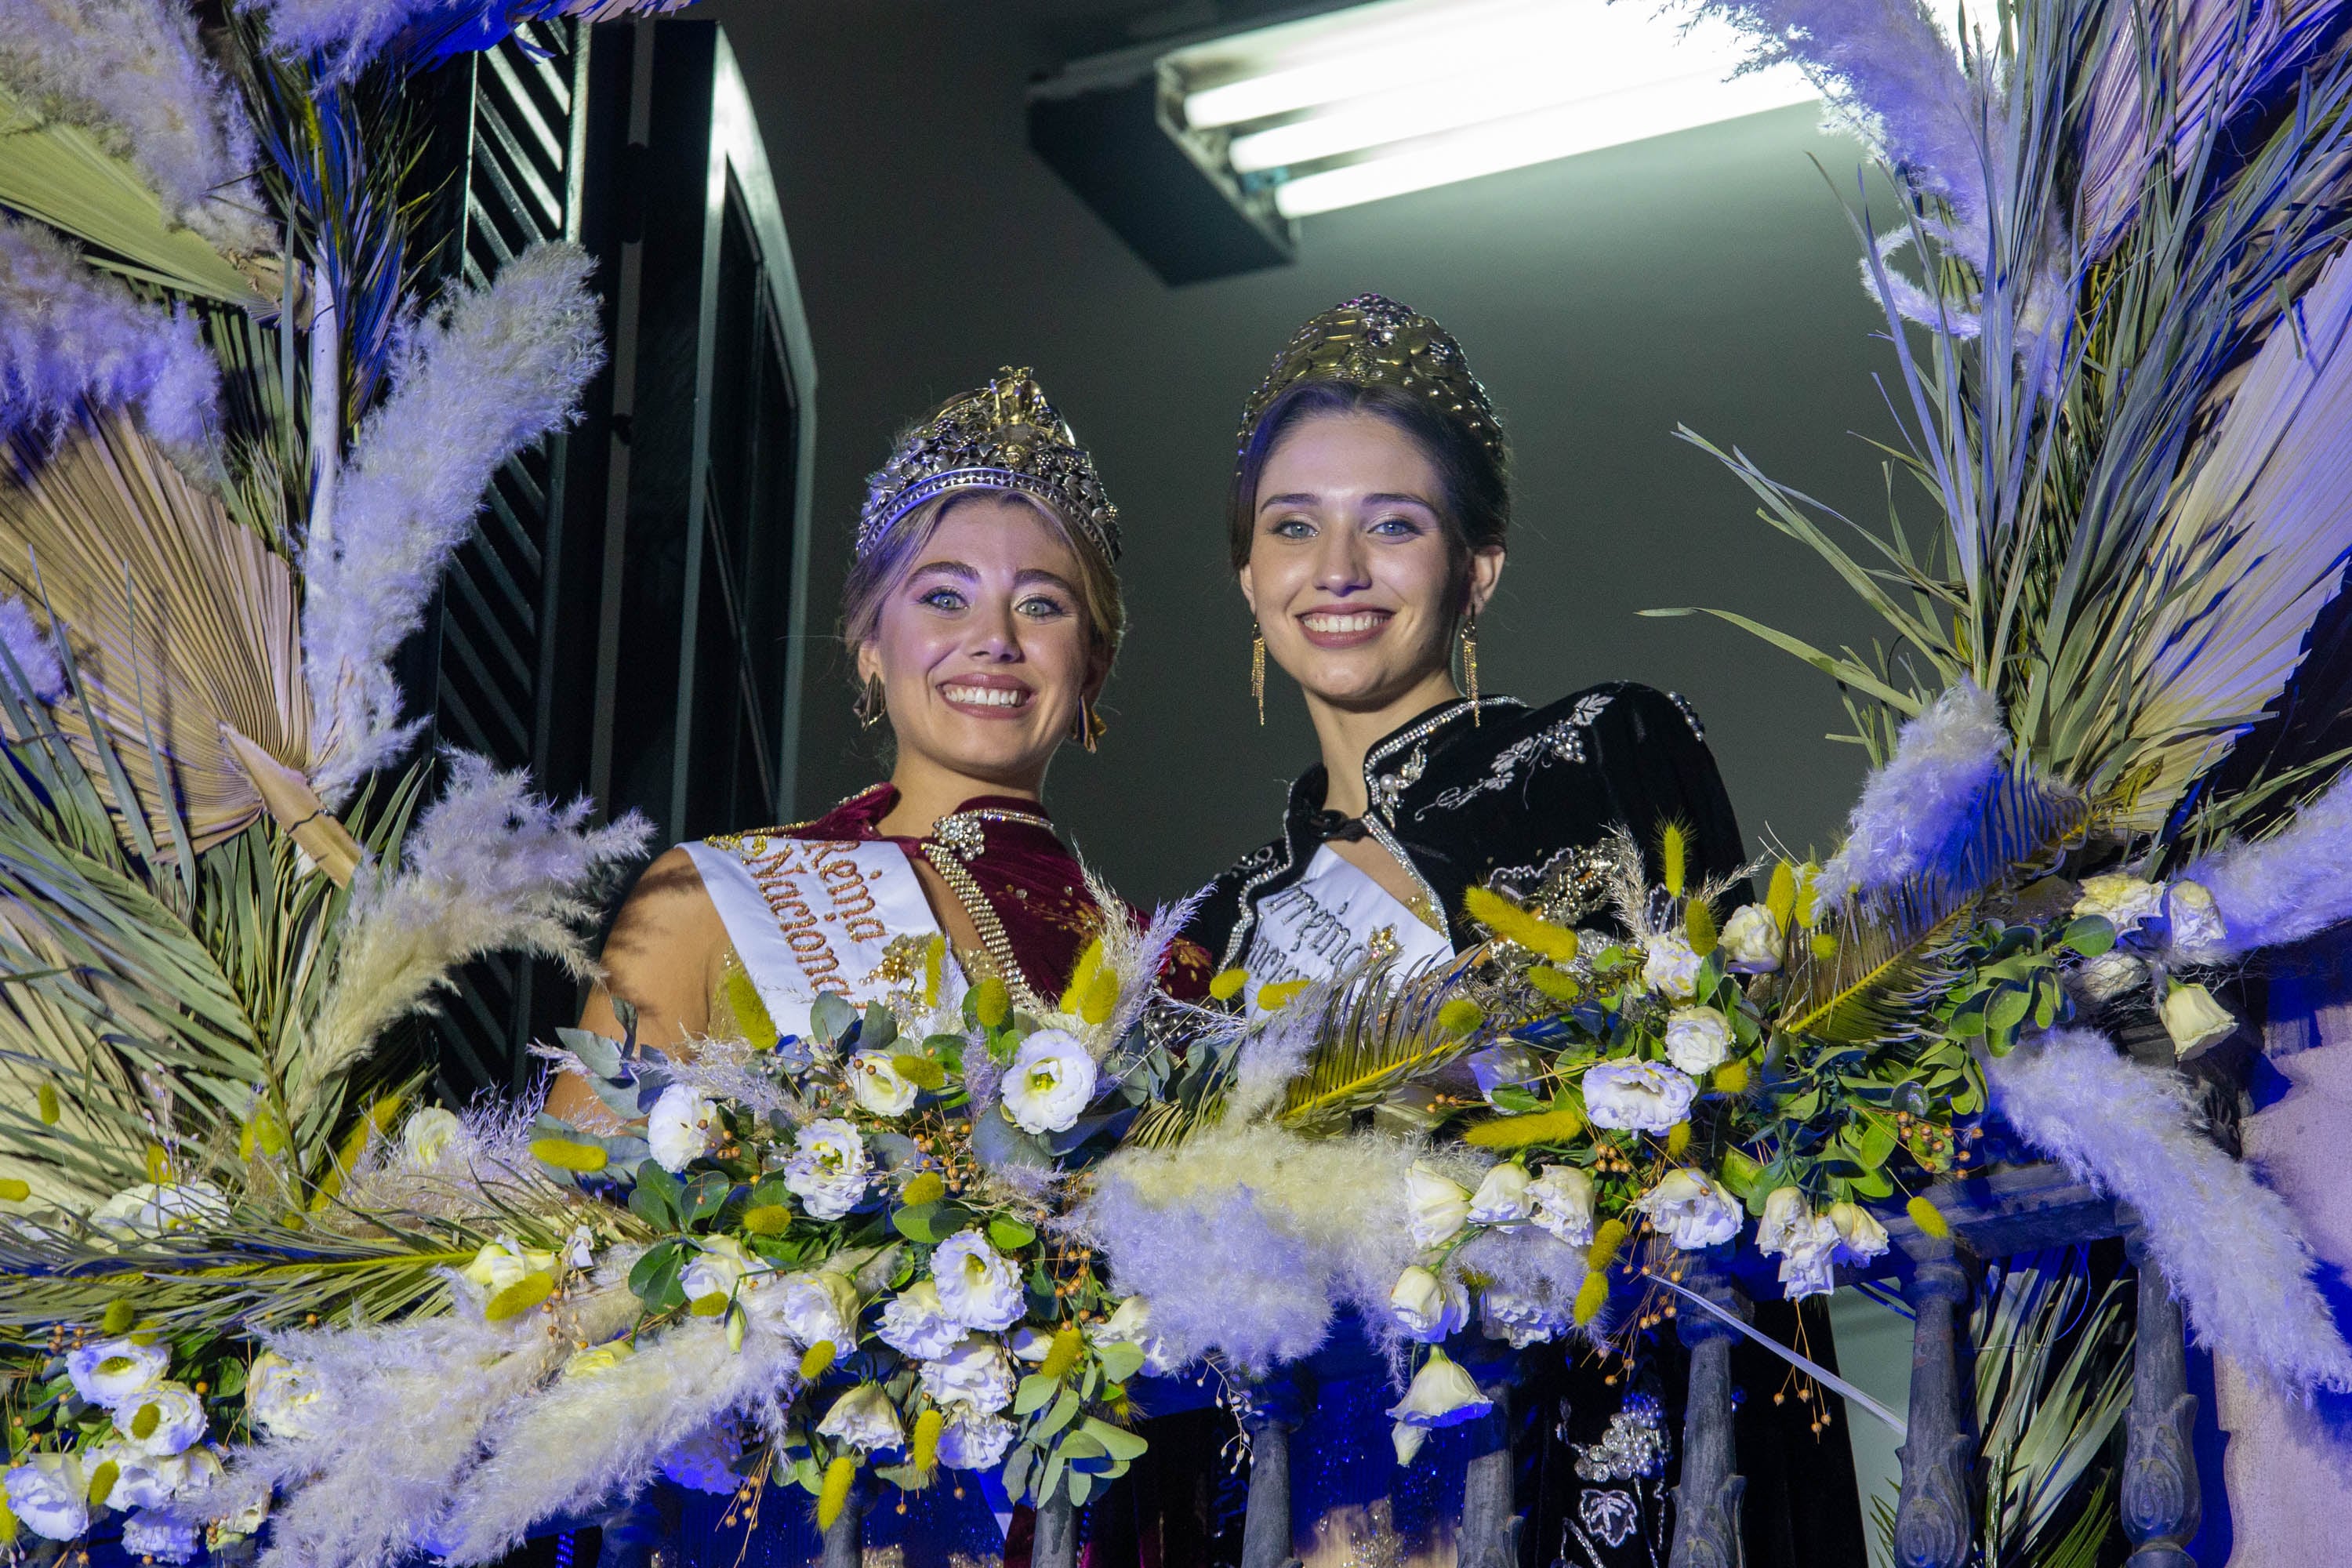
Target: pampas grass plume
point(29, 648)
point(69, 336)
point(1925, 796)
point(2292, 885)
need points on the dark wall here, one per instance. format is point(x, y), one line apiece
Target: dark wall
point(1707, 279)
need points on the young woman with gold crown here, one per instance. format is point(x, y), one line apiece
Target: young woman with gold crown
point(1367, 523)
point(983, 613)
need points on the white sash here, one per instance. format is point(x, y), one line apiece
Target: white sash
point(813, 915)
point(1325, 922)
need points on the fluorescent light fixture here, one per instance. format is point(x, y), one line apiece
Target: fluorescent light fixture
point(1375, 101)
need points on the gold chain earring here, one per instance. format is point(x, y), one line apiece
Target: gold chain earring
point(1257, 670)
point(869, 706)
point(1470, 663)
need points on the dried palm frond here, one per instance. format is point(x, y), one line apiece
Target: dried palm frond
point(1377, 1030)
point(182, 622)
point(2053, 1381)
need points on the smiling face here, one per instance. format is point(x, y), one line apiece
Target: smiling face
point(1351, 574)
point(983, 647)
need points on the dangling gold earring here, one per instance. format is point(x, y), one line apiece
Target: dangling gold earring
point(1257, 670)
point(1087, 729)
point(1470, 663)
point(869, 707)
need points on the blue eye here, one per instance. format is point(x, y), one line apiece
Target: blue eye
point(1293, 528)
point(1397, 528)
point(1041, 608)
point(943, 599)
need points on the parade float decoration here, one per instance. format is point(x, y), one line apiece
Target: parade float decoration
point(261, 1297)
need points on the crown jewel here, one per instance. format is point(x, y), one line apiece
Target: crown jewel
point(1371, 340)
point(1001, 436)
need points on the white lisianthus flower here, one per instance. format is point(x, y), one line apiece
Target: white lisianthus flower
point(1441, 1394)
point(977, 1288)
point(704, 1462)
point(1671, 968)
point(49, 1495)
point(681, 1126)
point(1502, 1196)
point(2096, 982)
point(1437, 1205)
point(716, 1269)
point(1521, 1320)
point(1050, 1081)
point(864, 1419)
point(829, 1168)
point(1699, 1039)
point(1562, 1195)
point(154, 1209)
point(111, 1370)
point(971, 1440)
point(976, 1372)
point(160, 1536)
point(1752, 943)
point(598, 1360)
point(2195, 1020)
point(1428, 1308)
point(815, 1307)
point(1645, 1097)
point(1030, 1343)
point(1130, 1323)
point(1809, 1258)
point(2193, 920)
point(2127, 901)
point(880, 1087)
point(914, 1324)
point(1507, 1066)
point(1692, 1209)
point(172, 1413)
point(424, 1135)
point(499, 1264)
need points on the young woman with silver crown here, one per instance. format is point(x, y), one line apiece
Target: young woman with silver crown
point(983, 613)
point(1366, 526)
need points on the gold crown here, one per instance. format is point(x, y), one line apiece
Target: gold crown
point(1375, 341)
point(1001, 436)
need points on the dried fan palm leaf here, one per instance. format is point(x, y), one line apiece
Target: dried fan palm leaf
point(1379, 1029)
point(183, 626)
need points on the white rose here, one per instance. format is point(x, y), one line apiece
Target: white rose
point(829, 1168)
point(1671, 968)
point(1752, 943)
point(1437, 1205)
point(1809, 1258)
point(2195, 1020)
point(150, 1209)
point(1784, 1209)
point(1563, 1198)
point(972, 1440)
point(1694, 1210)
point(815, 1307)
point(111, 1370)
point(2099, 981)
point(1049, 1083)
point(1860, 1236)
point(1521, 1320)
point(49, 1495)
point(1508, 1066)
point(160, 1536)
point(598, 1360)
point(914, 1324)
point(977, 1288)
point(499, 1264)
point(1645, 1097)
point(1130, 1323)
point(881, 1088)
point(976, 1372)
point(704, 1462)
point(177, 1418)
point(1699, 1039)
point(1502, 1196)
point(680, 1127)
point(2194, 921)
point(864, 1419)
point(716, 1269)
point(1428, 1308)
point(1026, 1341)
point(1441, 1394)
point(424, 1135)
point(2128, 901)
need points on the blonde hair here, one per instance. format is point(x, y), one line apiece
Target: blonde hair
point(874, 575)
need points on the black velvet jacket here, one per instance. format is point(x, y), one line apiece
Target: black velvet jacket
point(1514, 801)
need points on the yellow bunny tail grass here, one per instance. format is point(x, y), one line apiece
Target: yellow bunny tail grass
point(1556, 984)
point(1512, 923)
point(1928, 1217)
point(1274, 998)
point(1557, 1125)
point(929, 1187)
point(46, 1097)
point(1082, 978)
point(1731, 1077)
point(1606, 1240)
point(934, 953)
point(926, 1454)
point(13, 1190)
point(1825, 945)
point(991, 1004)
point(7, 1523)
point(1228, 985)
point(566, 1155)
point(102, 1479)
point(835, 1496)
point(1698, 925)
point(159, 1163)
point(1459, 1017)
point(379, 1118)
point(119, 1315)
point(1678, 1138)
point(1807, 888)
point(1780, 893)
point(1591, 1297)
point(1672, 852)
point(743, 1000)
point(1100, 999)
point(817, 1360)
point(1063, 1354)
